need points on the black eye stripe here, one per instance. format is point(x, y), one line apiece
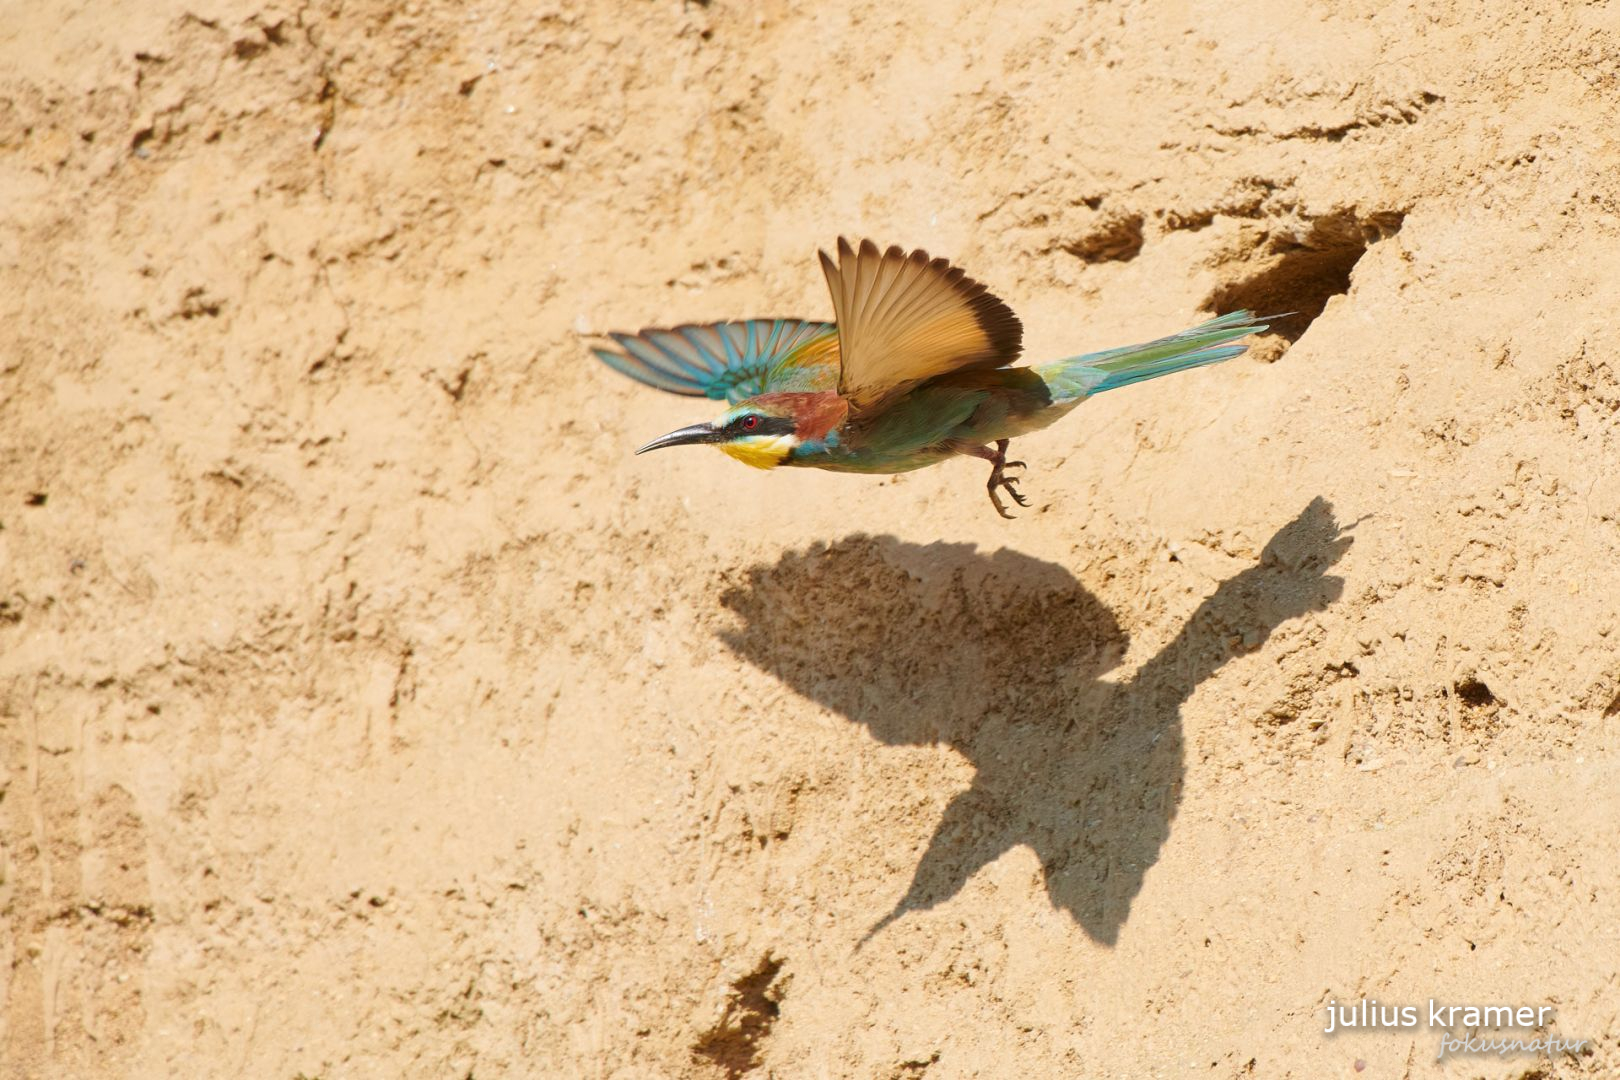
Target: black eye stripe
point(762, 425)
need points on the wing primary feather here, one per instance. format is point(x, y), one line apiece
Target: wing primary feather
point(665, 342)
point(678, 343)
point(707, 341)
point(853, 300)
point(645, 351)
point(916, 267)
point(835, 285)
point(770, 346)
point(896, 266)
point(728, 338)
point(874, 278)
point(857, 287)
point(906, 292)
point(643, 372)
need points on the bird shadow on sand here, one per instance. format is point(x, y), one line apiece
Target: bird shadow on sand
point(1001, 657)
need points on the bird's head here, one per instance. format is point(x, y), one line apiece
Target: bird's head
point(762, 431)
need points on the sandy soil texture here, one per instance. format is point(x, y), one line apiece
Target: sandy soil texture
point(368, 710)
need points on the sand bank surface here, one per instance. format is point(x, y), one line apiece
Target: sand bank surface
point(368, 710)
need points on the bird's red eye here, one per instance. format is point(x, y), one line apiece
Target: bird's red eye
point(750, 423)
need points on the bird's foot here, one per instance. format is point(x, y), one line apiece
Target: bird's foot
point(999, 479)
point(998, 473)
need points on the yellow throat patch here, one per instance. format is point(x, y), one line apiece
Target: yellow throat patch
point(761, 451)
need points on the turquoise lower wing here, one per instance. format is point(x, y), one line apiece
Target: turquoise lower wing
point(730, 360)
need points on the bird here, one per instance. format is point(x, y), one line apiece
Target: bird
point(913, 370)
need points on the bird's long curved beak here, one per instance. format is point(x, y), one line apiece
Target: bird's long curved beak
point(696, 433)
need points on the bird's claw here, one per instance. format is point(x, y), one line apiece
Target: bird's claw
point(1011, 484)
point(999, 478)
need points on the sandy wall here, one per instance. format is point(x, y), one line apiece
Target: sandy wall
point(367, 710)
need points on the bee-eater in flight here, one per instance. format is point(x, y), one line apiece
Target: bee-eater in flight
point(912, 371)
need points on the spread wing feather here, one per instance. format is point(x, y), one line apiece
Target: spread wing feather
point(730, 360)
point(906, 318)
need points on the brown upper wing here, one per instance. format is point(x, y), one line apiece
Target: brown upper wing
point(905, 318)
